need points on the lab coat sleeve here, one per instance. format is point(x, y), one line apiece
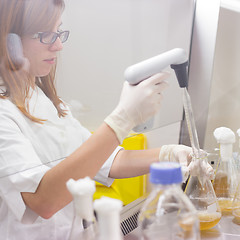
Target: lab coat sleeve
point(102, 175)
point(20, 168)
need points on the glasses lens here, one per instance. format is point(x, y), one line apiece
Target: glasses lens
point(64, 36)
point(49, 37)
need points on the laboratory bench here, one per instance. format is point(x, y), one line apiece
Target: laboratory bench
point(228, 227)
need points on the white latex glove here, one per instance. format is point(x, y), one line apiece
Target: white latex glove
point(177, 153)
point(183, 155)
point(204, 169)
point(137, 104)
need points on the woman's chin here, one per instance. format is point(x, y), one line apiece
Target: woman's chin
point(43, 74)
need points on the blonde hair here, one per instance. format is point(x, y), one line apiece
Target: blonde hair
point(24, 17)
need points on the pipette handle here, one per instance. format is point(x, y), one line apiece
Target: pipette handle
point(136, 73)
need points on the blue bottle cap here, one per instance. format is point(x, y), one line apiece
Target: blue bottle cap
point(165, 173)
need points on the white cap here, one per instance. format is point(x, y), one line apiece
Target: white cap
point(106, 205)
point(225, 137)
point(82, 191)
point(83, 186)
point(108, 213)
point(238, 132)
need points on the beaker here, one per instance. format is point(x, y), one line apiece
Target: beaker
point(200, 191)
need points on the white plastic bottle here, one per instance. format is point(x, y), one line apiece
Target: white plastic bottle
point(108, 215)
point(84, 222)
point(168, 213)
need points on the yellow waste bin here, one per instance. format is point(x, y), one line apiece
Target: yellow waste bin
point(128, 189)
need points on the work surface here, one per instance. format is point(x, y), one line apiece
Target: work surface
point(227, 229)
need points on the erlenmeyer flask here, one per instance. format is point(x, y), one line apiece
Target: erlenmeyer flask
point(237, 154)
point(236, 203)
point(200, 191)
point(236, 200)
point(226, 176)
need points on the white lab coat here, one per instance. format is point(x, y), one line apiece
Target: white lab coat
point(27, 151)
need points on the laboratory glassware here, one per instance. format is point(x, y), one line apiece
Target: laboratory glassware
point(236, 203)
point(236, 200)
point(226, 175)
point(84, 224)
point(237, 153)
point(190, 123)
point(199, 188)
point(108, 215)
point(200, 191)
point(167, 212)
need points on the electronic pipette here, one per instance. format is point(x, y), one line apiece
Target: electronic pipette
point(136, 73)
point(178, 60)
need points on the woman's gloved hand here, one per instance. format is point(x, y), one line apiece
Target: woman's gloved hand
point(183, 155)
point(137, 104)
point(205, 168)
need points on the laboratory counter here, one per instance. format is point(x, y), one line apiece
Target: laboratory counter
point(227, 229)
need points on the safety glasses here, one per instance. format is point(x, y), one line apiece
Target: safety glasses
point(51, 37)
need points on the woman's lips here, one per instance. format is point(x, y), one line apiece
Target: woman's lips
point(50, 60)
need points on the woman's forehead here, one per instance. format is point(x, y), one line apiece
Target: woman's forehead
point(45, 20)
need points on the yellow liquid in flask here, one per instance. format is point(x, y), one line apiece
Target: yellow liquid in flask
point(208, 220)
point(225, 204)
point(187, 223)
point(236, 213)
point(236, 210)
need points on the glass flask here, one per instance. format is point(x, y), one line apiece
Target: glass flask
point(237, 154)
point(84, 222)
point(200, 191)
point(108, 215)
point(236, 204)
point(226, 175)
point(236, 200)
point(167, 212)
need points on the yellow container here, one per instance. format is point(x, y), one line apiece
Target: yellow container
point(128, 189)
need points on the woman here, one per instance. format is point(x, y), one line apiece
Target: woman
point(36, 127)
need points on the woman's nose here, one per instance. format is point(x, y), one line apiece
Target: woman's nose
point(57, 45)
